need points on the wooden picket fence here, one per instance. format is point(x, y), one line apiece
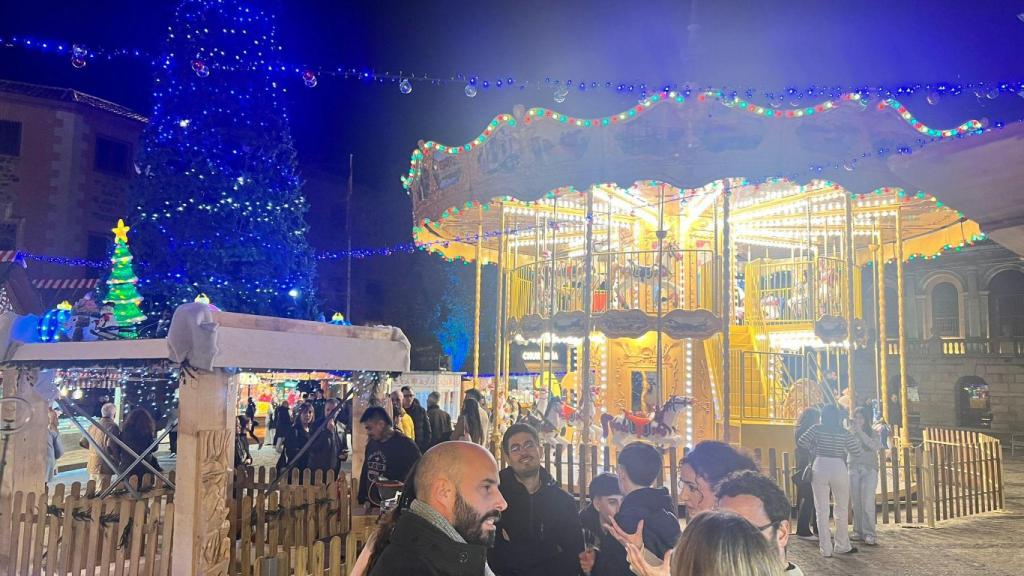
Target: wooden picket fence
point(562, 461)
point(323, 558)
point(966, 470)
point(307, 508)
point(68, 530)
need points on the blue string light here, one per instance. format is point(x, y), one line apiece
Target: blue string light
point(309, 74)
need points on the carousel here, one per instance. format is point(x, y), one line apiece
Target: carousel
point(711, 265)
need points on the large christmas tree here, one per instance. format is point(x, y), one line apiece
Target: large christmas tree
point(219, 204)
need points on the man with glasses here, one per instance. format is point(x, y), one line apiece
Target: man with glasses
point(756, 497)
point(540, 533)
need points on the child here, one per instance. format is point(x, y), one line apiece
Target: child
point(605, 497)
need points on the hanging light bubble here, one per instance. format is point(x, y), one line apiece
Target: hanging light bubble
point(470, 90)
point(933, 98)
point(79, 53)
point(561, 93)
point(405, 86)
point(309, 77)
point(200, 68)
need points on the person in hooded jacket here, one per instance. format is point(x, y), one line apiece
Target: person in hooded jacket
point(539, 534)
point(639, 465)
point(605, 501)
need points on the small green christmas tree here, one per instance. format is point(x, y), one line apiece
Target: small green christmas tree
point(121, 289)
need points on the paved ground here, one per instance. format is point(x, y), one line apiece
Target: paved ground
point(986, 545)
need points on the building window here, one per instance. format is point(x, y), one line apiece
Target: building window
point(112, 156)
point(1006, 304)
point(10, 138)
point(945, 311)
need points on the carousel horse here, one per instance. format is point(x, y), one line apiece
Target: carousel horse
point(658, 429)
point(557, 415)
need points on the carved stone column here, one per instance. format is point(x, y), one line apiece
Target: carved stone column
point(202, 539)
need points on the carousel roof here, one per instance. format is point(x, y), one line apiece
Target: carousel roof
point(536, 165)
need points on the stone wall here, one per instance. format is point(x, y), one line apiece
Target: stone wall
point(937, 378)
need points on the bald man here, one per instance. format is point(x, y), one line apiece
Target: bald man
point(451, 523)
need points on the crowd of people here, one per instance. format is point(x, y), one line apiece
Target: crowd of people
point(460, 514)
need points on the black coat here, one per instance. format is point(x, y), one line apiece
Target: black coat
point(293, 443)
point(421, 425)
point(543, 530)
point(418, 548)
point(591, 521)
point(440, 424)
point(323, 453)
point(661, 527)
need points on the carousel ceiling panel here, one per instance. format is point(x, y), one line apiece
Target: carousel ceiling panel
point(984, 177)
point(683, 142)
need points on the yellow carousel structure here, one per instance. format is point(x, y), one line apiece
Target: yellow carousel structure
point(696, 250)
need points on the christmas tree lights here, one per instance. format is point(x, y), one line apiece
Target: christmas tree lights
point(121, 289)
point(220, 209)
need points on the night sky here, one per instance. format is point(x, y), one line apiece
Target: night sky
point(760, 45)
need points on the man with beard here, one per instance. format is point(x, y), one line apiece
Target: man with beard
point(540, 533)
point(757, 498)
point(388, 454)
point(450, 524)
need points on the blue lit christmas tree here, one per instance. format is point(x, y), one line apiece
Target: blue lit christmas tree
point(219, 208)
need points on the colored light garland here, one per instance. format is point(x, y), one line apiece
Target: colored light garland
point(421, 154)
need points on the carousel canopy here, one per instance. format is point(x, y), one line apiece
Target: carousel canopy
point(789, 172)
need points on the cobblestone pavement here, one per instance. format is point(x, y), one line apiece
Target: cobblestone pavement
point(985, 545)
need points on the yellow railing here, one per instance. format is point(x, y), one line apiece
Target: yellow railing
point(798, 290)
point(681, 279)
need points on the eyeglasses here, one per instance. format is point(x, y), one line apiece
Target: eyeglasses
point(766, 526)
point(406, 395)
point(516, 448)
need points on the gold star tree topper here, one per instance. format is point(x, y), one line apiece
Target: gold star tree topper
point(121, 232)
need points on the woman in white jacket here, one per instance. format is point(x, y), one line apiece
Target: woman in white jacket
point(864, 476)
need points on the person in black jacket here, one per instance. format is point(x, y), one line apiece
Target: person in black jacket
point(605, 501)
point(388, 454)
point(452, 521)
point(639, 465)
point(326, 450)
point(440, 421)
point(705, 466)
point(540, 533)
point(298, 435)
point(420, 422)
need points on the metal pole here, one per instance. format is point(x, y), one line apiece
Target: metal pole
point(851, 263)
point(551, 293)
point(726, 312)
point(348, 233)
point(659, 361)
point(880, 265)
point(71, 409)
point(901, 331)
point(588, 313)
point(499, 345)
point(476, 316)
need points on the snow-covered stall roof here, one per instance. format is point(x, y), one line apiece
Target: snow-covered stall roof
point(207, 339)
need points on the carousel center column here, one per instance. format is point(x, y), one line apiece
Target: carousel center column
point(206, 428)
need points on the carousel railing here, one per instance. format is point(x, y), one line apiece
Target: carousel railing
point(622, 281)
point(797, 290)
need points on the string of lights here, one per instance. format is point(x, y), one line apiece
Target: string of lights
point(80, 55)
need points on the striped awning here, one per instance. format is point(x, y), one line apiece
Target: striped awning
point(8, 255)
point(65, 283)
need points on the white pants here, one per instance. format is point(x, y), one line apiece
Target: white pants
point(831, 476)
point(863, 482)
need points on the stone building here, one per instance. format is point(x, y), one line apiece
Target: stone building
point(66, 159)
point(965, 338)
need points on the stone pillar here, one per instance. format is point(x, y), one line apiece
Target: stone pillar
point(985, 322)
point(972, 306)
point(206, 428)
point(25, 468)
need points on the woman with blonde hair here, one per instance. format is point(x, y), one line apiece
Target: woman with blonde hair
point(715, 543)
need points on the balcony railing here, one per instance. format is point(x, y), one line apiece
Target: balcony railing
point(1010, 347)
point(621, 281)
point(797, 290)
